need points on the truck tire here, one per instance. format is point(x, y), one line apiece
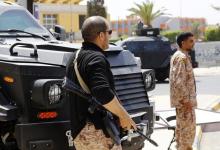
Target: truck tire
point(162, 74)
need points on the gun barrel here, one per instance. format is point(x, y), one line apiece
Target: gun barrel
point(147, 138)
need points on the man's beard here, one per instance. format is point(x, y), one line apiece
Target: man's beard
point(189, 49)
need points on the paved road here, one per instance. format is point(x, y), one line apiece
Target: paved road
point(208, 91)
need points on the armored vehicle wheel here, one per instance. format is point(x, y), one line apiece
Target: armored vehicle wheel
point(162, 74)
point(7, 139)
point(10, 144)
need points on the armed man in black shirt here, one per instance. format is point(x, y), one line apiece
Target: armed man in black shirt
point(90, 69)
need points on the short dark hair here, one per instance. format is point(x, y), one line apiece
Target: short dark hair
point(182, 37)
point(92, 26)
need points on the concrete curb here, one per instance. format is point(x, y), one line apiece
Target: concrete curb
point(214, 107)
point(198, 138)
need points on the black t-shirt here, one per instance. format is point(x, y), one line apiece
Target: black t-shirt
point(94, 68)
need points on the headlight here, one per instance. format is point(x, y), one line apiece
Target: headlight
point(148, 80)
point(54, 94)
point(138, 61)
point(47, 93)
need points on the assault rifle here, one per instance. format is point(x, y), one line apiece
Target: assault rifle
point(111, 127)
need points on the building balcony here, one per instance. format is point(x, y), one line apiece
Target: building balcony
point(58, 1)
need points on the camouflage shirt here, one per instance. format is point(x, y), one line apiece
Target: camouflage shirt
point(182, 81)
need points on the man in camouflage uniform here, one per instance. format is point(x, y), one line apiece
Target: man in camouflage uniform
point(183, 92)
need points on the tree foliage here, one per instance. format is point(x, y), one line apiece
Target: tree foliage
point(212, 34)
point(146, 12)
point(196, 30)
point(96, 8)
point(171, 35)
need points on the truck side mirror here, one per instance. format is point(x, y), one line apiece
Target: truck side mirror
point(60, 33)
point(125, 47)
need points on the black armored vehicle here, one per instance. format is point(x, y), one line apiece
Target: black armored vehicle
point(154, 51)
point(34, 108)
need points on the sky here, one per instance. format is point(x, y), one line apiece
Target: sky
point(118, 9)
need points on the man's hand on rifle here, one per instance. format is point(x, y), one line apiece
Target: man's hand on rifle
point(116, 108)
point(127, 123)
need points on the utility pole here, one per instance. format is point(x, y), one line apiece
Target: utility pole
point(27, 4)
point(30, 5)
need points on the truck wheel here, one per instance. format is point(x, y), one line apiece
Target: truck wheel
point(7, 133)
point(162, 74)
point(10, 143)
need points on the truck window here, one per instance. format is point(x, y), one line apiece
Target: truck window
point(138, 46)
point(20, 20)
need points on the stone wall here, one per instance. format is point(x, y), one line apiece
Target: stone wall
point(208, 53)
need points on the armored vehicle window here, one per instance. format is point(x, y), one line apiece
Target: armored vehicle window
point(134, 46)
point(20, 20)
point(138, 46)
point(152, 46)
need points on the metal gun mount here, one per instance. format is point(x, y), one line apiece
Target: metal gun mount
point(131, 134)
point(142, 129)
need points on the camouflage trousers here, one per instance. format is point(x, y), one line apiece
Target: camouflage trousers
point(185, 129)
point(92, 139)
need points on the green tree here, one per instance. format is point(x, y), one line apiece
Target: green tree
point(146, 12)
point(212, 34)
point(96, 8)
point(196, 30)
point(171, 35)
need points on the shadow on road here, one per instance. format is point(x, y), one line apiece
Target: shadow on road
point(162, 82)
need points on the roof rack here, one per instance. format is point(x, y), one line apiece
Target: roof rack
point(148, 32)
